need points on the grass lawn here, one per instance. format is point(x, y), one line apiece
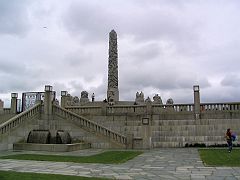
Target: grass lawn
point(108, 157)
point(10, 175)
point(220, 157)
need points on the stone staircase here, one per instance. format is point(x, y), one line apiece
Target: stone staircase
point(179, 133)
point(16, 128)
point(17, 120)
point(99, 130)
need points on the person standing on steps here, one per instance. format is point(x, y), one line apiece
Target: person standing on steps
point(93, 97)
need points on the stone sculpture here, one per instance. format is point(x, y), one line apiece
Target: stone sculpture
point(75, 100)
point(148, 100)
point(84, 97)
point(170, 101)
point(112, 92)
point(139, 97)
point(157, 99)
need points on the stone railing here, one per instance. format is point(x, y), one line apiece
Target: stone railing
point(130, 109)
point(20, 118)
point(89, 125)
point(173, 107)
point(153, 108)
point(220, 106)
point(126, 109)
point(7, 111)
point(85, 109)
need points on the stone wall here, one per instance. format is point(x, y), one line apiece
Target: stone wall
point(146, 126)
point(18, 133)
point(167, 127)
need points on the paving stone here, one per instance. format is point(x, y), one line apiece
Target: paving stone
point(197, 176)
point(122, 177)
point(174, 163)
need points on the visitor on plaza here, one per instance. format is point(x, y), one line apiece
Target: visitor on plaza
point(229, 139)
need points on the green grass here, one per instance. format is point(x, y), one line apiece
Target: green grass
point(108, 157)
point(220, 157)
point(10, 175)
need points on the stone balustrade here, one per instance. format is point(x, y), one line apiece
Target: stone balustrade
point(173, 107)
point(220, 107)
point(131, 109)
point(180, 109)
point(126, 109)
point(7, 111)
point(20, 118)
point(85, 109)
point(89, 125)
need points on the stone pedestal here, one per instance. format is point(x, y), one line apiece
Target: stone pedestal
point(14, 103)
point(146, 133)
point(47, 108)
point(64, 98)
point(129, 141)
point(1, 106)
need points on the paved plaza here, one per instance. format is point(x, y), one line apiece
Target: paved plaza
point(170, 163)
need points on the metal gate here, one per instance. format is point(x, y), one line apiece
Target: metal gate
point(29, 99)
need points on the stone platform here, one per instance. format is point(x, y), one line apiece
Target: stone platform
point(51, 147)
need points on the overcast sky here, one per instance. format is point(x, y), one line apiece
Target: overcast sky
point(164, 47)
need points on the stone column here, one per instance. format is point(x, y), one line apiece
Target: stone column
point(1, 106)
point(146, 132)
point(48, 100)
point(129, 144)
point(64, 98)
point(48, 122)
point(196, 101)
point(14, 103)
point(113, 92)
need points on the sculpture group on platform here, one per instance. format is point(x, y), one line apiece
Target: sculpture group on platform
point(139, 100)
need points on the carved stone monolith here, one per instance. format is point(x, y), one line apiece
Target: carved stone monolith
point(113, 92)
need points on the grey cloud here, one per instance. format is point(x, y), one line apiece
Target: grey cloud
point(165, 47)
point(144, 52)
point(77, 88)
point(219, 95)
point(78, 59)
point(164, 77)
point(93, 20)
point(10, 67)
point(14, 17)
point(88, 21)
point(18, 77)
point(232, 80)
point(19, 83)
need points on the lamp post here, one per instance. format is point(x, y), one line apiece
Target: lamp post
point(48, 88)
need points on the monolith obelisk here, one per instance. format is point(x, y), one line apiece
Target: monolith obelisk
point(112, 92)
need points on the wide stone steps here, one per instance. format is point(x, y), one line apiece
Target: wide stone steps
point(194, 122)
point(174, 144)
point(178, 133)
point(187, 138)
point(101, 131)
